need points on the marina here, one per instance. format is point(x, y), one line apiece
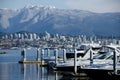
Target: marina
point(105, 60)
point(59, 40)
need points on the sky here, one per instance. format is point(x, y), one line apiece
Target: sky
point(99, 6)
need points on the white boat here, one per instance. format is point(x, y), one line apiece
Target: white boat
point(68, 65)
point(97, 59)
point(81, 51)
point(107, 67)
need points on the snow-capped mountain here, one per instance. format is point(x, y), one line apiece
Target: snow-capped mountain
point(40, 19)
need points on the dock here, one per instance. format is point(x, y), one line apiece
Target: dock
point(39, 60)
point(77, 71)
point(43, 63)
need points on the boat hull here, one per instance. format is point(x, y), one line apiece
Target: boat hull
point(71, 55)
point(101, 74)
point(66, 68)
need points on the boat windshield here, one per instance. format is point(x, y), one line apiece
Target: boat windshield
point(106, 49)
point(105, 56)
point(110, 57)
point(84, 47)
point(118, 49)
point(105, 52)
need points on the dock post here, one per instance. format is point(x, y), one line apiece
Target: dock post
point(56, 55)
point(91, 56)
point(23, 53)
point(38, 54)
point(56, 76)
point(75, 61)
point(24, 70)
point(48, 52)
point(64, 55)
point(42, 56)
point(115, 62)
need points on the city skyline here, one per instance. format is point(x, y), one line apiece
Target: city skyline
point(99, 6)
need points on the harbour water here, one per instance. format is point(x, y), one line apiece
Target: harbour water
point(10, 69)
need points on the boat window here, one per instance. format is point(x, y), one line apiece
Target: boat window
point(105, 49)
point(118, 57)
point(100, 52)
point(110, 57)
point(118, 48)
point(102, 57)
point(83, 47)
point(95, 48)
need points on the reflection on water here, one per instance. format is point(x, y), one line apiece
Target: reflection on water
point(10, 69)
point(35, 72)
point(15, 71)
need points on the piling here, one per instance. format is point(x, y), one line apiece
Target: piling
point(48, 52)
point(56, 55)
point(56, 76)
point(91, 56)
point(75, 61)
point(23, 53)
point(64, 55)
point(37, 61)
point(38, 54)
point(42, 56)
point(115, 62)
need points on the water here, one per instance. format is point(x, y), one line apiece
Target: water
point(15, 71)
point(10, 69)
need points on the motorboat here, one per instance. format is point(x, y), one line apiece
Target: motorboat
point(108, 65)
point(68, 65)
point(82, 49)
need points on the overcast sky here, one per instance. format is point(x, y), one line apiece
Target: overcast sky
point(91, 5)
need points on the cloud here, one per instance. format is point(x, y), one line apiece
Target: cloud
point(95, 5)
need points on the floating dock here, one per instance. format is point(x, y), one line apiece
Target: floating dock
point(76, 70)
point(34, 62)
point(37, 61)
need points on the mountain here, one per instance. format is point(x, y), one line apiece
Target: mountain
point(39, 19)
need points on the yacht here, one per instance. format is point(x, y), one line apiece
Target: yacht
point(108, 65)
point(69, 64)
point(83, 48)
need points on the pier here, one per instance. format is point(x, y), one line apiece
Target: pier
point(44, 58)
point(38, 60)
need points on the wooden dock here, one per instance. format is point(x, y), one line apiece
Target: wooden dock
point(76, 70)
point(33, 62)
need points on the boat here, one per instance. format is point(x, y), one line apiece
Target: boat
point(3, 52)
point(68, 65)
point(83, 49)
point(109, 67)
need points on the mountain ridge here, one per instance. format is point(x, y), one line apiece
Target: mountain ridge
point(61, 21)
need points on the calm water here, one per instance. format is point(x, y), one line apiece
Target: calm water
point(10, 69)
